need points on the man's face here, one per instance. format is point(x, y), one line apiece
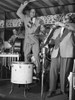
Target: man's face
point(14, 32)
point(42, 28)
point(65, 19)
point(32, 13)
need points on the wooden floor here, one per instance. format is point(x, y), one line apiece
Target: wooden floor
point(34, 92)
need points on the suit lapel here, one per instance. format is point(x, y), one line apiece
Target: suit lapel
point(60, 38)
point(65, 32)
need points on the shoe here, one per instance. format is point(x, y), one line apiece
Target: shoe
point(37, 75)
point(51, 94)
point(35, 78)
point(62, 92)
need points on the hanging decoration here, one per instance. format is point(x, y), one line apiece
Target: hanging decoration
point(50, 19)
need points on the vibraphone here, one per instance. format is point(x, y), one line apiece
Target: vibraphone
point(6, 60)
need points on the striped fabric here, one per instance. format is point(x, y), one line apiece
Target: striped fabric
point(8, 8)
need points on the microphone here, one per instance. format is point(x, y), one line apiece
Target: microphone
point(33, 20)
point(43, 50)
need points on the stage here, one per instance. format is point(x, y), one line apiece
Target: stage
point(33, 93)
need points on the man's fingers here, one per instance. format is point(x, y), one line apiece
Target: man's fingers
point(26, 2)
point(32, 0)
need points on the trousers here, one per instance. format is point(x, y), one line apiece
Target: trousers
point(35, 50)
point(62, 65)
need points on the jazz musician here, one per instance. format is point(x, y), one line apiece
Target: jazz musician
point(62, 55)
point(31, 41)
point(13, 37)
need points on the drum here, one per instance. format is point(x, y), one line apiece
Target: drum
point(21, 73)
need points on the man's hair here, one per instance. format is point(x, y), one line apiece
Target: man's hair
point(14, 29)
point(72, 18)
point(27, 9)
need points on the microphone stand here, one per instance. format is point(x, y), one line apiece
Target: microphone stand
point(43, 71)
point(43, 61)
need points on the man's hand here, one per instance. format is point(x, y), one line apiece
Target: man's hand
point(42, 45)
point(25, 3)
point(31, 0)
point(59, 24)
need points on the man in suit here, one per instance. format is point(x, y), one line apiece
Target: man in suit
point(31, 41)
point(62, 55)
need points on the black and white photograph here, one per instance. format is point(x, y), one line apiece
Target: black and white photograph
point(37, 49)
